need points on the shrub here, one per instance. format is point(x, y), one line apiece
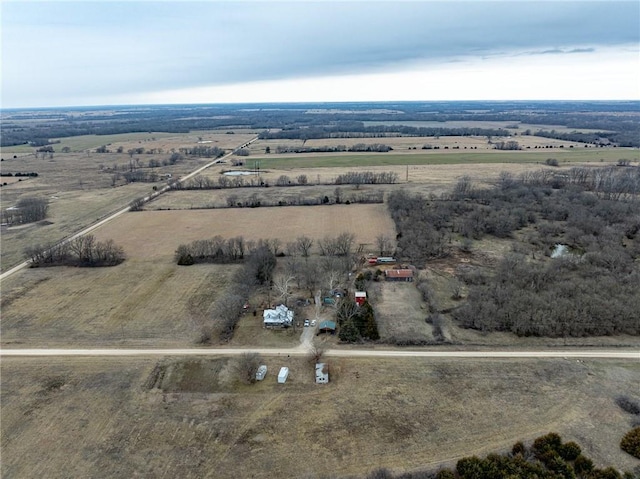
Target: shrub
point(569, 451)
point(628, 405)
point(630, 442)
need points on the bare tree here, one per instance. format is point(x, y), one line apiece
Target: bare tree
point(344, 244)
point(282, 284)
point(384, 244)
point(316, 353)
point(246, 367)
point(304, 245)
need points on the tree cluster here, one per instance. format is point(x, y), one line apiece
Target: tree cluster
point(83, 251)
point(366, 178)
point(26, 210)
point(590, 291)
point(19, 173)
point(507, 145)
point(202, 151)
point(218, 250)
point(547, 458)
point(356, 323)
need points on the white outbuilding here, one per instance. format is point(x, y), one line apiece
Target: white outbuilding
point(261, 372)
point(283, 375)
point(322, 373)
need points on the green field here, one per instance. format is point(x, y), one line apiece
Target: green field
point(451, 158)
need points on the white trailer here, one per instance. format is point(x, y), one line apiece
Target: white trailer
point(261, 372)
point(283, 375)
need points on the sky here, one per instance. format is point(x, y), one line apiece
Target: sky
point(89, 53)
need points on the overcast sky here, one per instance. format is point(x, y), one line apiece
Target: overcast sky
point(105, 52)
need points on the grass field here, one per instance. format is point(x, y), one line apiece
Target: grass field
point(143, 303)
point(148, 300)
point(400, 312)
point(452, 157)
point(166, 141)
point(155, 235)
point(80, 186)
point(96, 418)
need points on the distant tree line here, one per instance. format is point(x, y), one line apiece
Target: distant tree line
point(254, 181)
point(623, 138)
point(33, 174)
point(366, 178)
point(202, 151)
point(359, 130)
point(507, 145)
point(83, 251)
point(358, 147)
point(547, 458)
point(601, 116)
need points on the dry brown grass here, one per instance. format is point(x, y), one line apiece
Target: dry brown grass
point(157, 234)
point(406, 144)
point(96, 418)
point(144, 303)
point(400, 312)
point(79, 185)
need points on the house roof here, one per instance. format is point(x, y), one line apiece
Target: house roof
point(399, 273)
point(327, 325)
point(280, 315)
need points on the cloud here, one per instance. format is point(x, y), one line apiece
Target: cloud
point(65, 50)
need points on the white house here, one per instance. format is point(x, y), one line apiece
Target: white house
point(280, 317)
point(322, 373)
point(283, 375)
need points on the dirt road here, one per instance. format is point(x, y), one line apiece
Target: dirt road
point(146, 199)
point(301, 351)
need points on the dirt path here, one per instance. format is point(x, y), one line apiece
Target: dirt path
point(583, 353)
point(118, 213)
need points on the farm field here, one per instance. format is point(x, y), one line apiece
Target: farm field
point(137, 303)
point(190, 418)
point(69, 211)
point(401, 144)
point(163, 140)
point(84, 187)
point(155, 235)
point(422, 178)
point(450, 157)
point(507, 125)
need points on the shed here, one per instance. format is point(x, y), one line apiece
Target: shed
point(322, 373)
point(327, 327)
point(398, 275)
point(283, 375)
point(361, 297)
point(261, 372)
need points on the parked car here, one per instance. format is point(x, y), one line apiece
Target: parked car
point(306, 323)
point(313, 323)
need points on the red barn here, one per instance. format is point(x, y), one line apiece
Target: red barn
point(398, 275)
